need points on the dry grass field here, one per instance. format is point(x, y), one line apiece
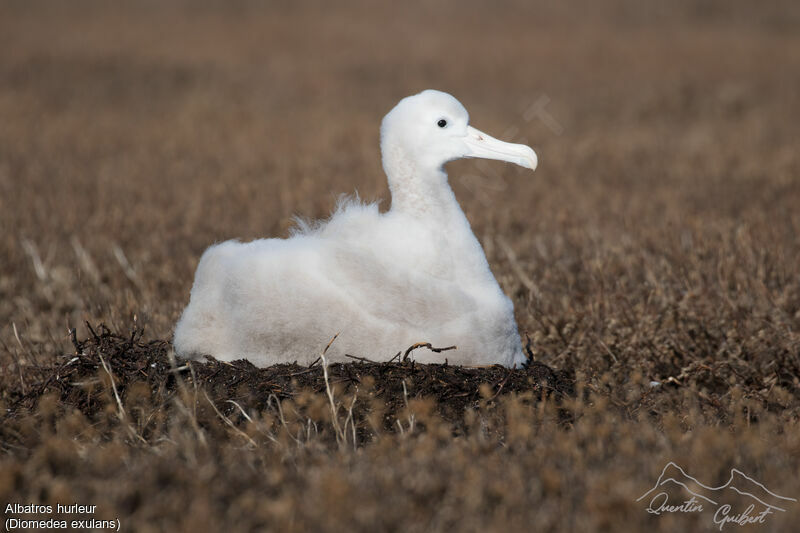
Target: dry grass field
point(659, 241)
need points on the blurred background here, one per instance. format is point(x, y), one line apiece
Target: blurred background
point(135, 134)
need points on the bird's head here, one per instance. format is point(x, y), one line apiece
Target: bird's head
point(432, 128)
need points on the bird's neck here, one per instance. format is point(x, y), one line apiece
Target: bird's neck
point(419, 190)
point(425, 196)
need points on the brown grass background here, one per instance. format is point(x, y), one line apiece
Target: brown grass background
point(659, 238)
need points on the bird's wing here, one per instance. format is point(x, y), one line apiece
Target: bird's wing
point(387, 285)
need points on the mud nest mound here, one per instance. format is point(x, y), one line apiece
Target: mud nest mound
point(106, 367)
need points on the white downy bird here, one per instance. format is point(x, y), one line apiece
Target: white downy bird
point(382, 281)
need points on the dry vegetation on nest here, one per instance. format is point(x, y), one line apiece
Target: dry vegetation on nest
point(659, 241)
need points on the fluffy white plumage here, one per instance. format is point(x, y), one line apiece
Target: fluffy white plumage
point(383, 281)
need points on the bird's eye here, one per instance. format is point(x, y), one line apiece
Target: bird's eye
point(442, 123)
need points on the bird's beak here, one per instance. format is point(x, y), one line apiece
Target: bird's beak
point(487, 147)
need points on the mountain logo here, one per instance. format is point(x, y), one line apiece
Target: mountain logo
point(756, 500)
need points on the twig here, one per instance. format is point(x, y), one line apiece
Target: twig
point(191, 415)
point(351, 420)
point(240, 410)
point(411, 416)
point(528, 349)
point(121, 413)
point(340, 435)
point(425, 345)
point(229, 422)
point(91, 330)
point(502, 384)
point(73, 335)
point(281, 417)
point(306, 371)
point(362, 359)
